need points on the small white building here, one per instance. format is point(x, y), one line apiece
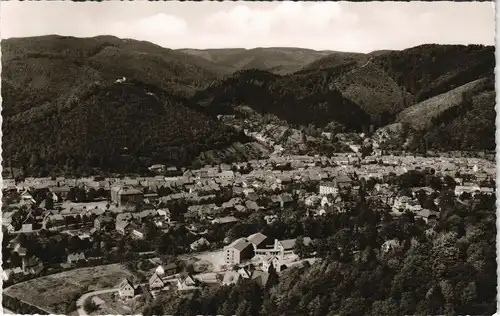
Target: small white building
point(156, 282)
point(328, 188)
point(460, 189)
point(126, 289)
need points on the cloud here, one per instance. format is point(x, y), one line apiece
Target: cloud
point(151, 27)
point(286, 20)
point(319, 25)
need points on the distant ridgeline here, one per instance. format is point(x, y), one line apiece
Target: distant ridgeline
point(106, 105)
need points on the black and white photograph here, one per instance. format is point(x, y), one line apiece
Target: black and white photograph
point(248, 158)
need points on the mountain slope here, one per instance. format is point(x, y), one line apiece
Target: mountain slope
point(460, 119)
point(335, 59)
point(280, 60)
point(428, 70)
point(420, 115)
point(362, 90)
point(299, 99)
point(473, 129)
point(64, 109)
point(120, 127)
point(40, 68)
point(375, 92)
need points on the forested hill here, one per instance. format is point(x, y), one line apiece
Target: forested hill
point(429, 70)
point(300, 99)
point(113, 127)
point(38, 69)
point(280, 60)
point(360, 91)
point(64, 112)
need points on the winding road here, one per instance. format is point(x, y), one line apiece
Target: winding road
point(81, 300)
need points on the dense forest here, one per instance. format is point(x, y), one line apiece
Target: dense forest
point(428, 70)
point(299, 99)
point(113, 127)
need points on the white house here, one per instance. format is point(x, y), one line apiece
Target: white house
point(390, 245)
point(126, 289)
point(271, 261)
point(328, 188)
point(186, 282)
point(155, 282)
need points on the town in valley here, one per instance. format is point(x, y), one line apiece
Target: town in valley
point(248, 158)
point(182, 229)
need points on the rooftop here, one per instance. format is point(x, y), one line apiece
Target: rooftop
point(257, 238)
point(239, 244)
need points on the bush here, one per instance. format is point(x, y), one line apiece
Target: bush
point(89, 306)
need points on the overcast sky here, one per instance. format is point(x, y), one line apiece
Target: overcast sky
point(344, 26)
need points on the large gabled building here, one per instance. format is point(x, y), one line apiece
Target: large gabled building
point(241, 249)
point(125, 195)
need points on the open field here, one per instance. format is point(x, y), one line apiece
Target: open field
point(56, 292)
point(88, 205)
point(206, 261)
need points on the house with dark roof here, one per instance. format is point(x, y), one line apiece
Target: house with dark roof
point(343, 181)
point(121, 227)
point(260, 277)
point(262, 244)
point(244, 273)
point(285, 200)
point(427, 215)
point(60, 191)
point(167, 270)
point(271, 261)
point(286, 247)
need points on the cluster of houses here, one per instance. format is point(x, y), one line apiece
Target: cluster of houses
point(250, 258)
point(244, 249)
point(29, 264)
point(200, 187)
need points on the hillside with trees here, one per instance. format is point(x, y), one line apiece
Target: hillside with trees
point(39, 69)
point(335, 59)
point(279, 60)
point(428, 70)
point(112, 127)
point(300, 99)
point(361, 91)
